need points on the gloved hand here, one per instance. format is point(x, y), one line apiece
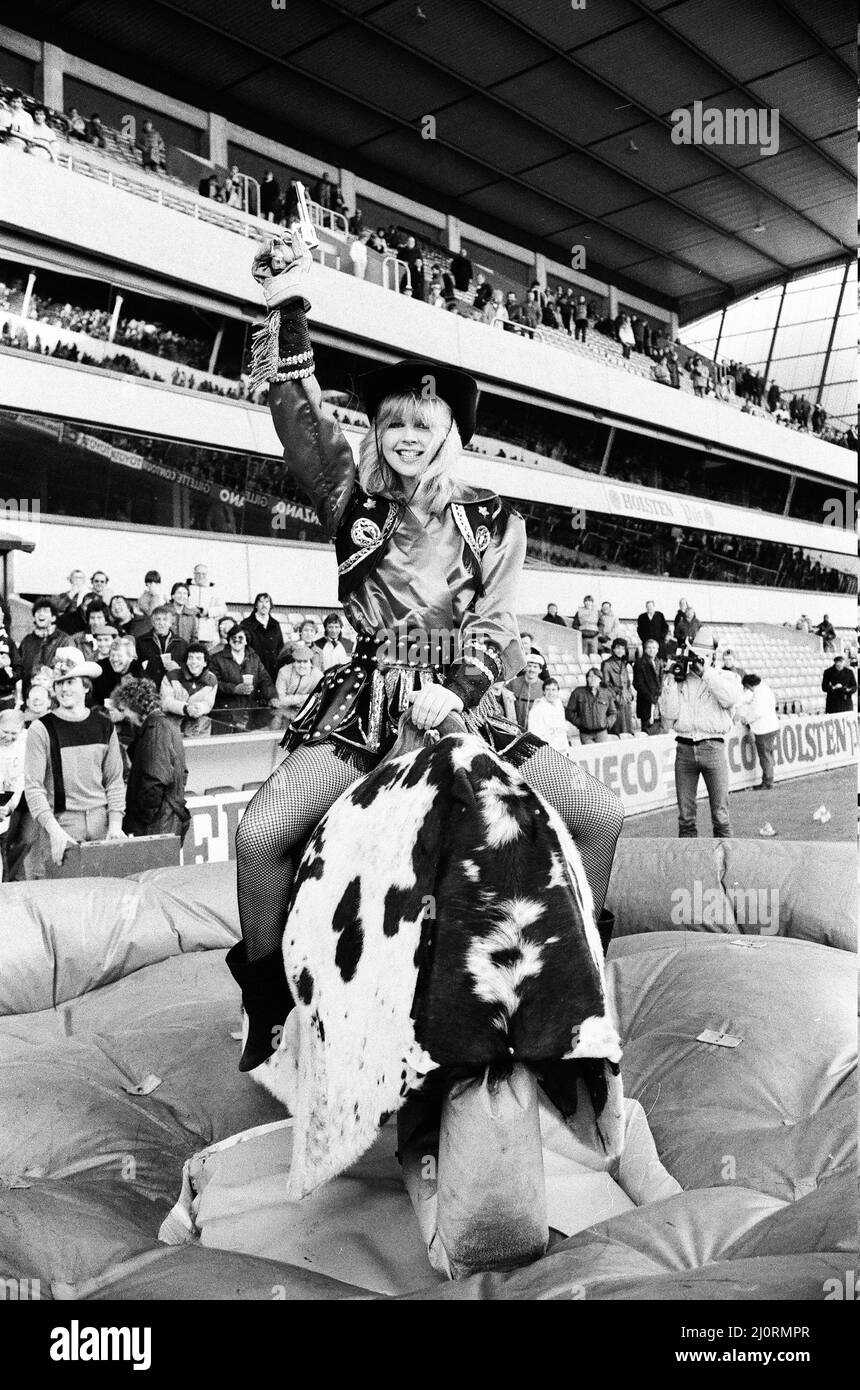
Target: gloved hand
point(281, 267)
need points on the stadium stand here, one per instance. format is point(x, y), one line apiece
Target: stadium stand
point(111, 161)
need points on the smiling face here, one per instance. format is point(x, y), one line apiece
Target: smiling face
point(162, 623)
point(38, 700)
point(43, 620)
point(70, 694)
point(195, 661)
point(410, 432)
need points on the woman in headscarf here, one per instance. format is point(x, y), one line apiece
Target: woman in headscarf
point(428, 570)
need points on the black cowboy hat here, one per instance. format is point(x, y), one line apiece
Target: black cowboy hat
point(419, 377)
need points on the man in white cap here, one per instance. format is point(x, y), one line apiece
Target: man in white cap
point(73, 767)
point(698, 701)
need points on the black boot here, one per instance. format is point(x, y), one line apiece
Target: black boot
point(266, 999)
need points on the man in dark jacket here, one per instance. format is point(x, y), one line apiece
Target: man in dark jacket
point(591, 709)
point(647, 682)
point(827, 632)
point(161, 652)
point(617, 678)
point(552, 615)
point(39, 647)
point(264, 633)
point(462, 270)
point(839, 683)
point(650, 624)
point(243, 681)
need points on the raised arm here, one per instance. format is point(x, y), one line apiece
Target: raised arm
point(315, 450)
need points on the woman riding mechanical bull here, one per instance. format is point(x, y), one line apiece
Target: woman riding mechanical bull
point(419, 552)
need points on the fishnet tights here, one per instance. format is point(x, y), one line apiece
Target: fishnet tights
point(288, 806)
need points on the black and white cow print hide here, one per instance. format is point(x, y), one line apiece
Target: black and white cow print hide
point(440, 916)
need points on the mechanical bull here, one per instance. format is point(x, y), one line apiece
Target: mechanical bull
point(443, 956)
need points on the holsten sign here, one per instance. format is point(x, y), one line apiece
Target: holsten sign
point(640, 770)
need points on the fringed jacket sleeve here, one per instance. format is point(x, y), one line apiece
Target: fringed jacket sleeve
point(316, 451)
point(490, 647)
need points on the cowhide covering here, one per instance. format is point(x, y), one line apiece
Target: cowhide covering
point(443, 870)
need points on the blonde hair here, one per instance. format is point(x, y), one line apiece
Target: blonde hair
point(438, 482)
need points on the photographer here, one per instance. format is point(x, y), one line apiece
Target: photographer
point(697, 701)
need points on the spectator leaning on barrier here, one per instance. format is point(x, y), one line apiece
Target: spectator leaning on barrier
point(189, 692)
point(839, 684)
point(552, 615)
point(648, 670)
point(698, 702)
point(615, 672)
point(546, 717)
point(758, 711)
point(591, 709)
point(243, 681)
point(586, 619)
point(264, 633)
point(73, 767)
point(155, 794)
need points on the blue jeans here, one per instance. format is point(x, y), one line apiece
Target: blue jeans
point(706, 759)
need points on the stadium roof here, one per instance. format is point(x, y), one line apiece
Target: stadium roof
point(552, 122)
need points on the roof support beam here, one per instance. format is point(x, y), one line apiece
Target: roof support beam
point(830, 340)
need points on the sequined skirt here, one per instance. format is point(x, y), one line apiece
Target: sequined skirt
point(357, 707)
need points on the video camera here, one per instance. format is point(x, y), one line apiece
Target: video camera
point(687, 659)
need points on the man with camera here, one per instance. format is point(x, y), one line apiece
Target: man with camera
point(697, 701)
